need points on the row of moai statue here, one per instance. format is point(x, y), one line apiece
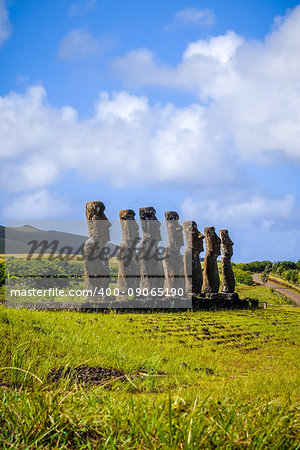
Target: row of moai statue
point(146, 266)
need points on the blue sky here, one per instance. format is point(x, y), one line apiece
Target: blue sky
point(185, 105)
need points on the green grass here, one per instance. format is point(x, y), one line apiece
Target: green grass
point(263, 294)
point(225, 379)
point(283, 282)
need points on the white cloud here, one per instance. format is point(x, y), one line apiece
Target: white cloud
point(207, 68)
point(123, 106)
point(5, 25)
point(251, 89)
point(125, 139)
point(220, 48)
point(262, 227)
point(261, 210)
point(78, 44)
point(33, 173)
point(36, 205)
point(19, 113)
point(249, 112)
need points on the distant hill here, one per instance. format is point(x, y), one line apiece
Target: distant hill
point(18, 238)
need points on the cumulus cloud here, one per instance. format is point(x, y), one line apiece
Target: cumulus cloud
point(79, 44)
point(251, 89)
point(125, 134)
point(123, 106)
point(5, 25)
point(33, 173)
point(219, 48)
point(126, 142)
point(39, 204)
point(204, 64)
point(262, 226)
point(262, 210)
point(242, 110)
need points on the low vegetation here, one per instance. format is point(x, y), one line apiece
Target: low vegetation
point(198, 380)
point(15, 266)
point(242, 276)
point(286, 270)
point(263, 294)
point(162, 380)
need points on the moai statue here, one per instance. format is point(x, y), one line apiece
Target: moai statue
point(228, 281)
point(211, 280)
point(173, 262)
point(192, 265)
point(129, 270)
point(150, 259)
point(95, 254)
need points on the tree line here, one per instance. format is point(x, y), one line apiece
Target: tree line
point(287, 270)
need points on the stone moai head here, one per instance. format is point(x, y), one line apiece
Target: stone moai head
point(226, 243)
point(150, 224)
point(98, 223)
point(193, 237)
point(174, 229)
point(212, 241)
point(130, 228)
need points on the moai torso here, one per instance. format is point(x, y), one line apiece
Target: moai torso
point(95, 255)
point(150, 260)
point(192, 265)
point(129, 270)
point(173, 262)
point(228, 281)
point(211, 280)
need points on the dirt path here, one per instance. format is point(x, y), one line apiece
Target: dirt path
point(277, 287)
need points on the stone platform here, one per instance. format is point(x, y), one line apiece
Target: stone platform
point(203, 302)
point(222, 301)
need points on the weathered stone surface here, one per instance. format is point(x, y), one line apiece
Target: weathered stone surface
point(129, 270)
point(218, 300)
point(150, 259)
point(98, 230)
point(211, 280)
point(173, 262)
point(95, 254)
point(192, 265)
point(228, 281)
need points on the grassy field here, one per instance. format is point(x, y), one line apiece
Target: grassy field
point(224, 379)
point(263, 294)
point(274, 277)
